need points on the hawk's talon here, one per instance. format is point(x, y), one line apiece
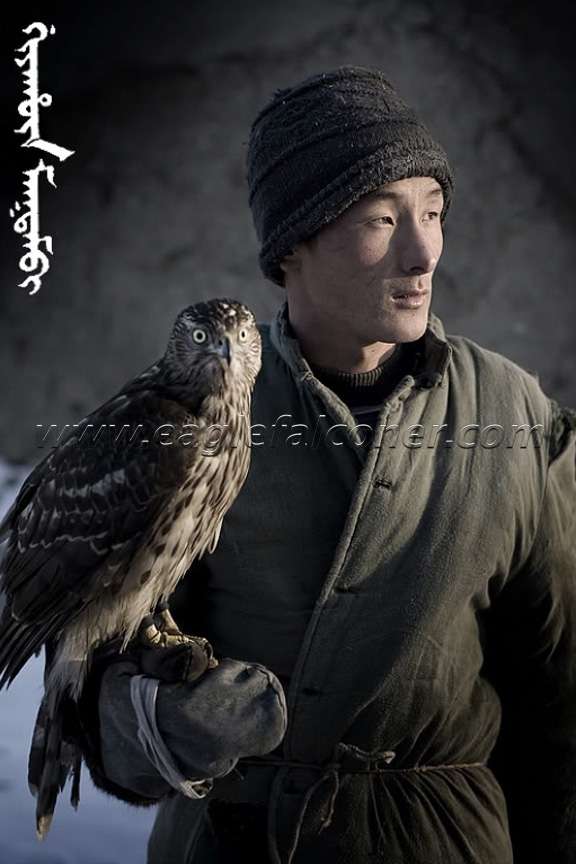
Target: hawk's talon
point(161, 631)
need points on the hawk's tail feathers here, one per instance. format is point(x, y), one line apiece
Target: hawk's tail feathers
point(17, 645)
point(50, 761)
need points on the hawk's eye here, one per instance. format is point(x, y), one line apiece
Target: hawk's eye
point(199, 335)
point(243, 334)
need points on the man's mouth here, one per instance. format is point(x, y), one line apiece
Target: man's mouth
point(411, 292)
point(410, 299)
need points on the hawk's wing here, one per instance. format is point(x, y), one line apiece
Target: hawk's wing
point(81, 515)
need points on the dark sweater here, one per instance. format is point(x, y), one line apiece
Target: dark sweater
point(364, 392)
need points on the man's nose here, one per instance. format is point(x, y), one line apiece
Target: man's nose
point(417, 249)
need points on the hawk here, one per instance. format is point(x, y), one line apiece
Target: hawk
point(102, 530)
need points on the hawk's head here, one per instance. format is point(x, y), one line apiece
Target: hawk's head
point(214, 344)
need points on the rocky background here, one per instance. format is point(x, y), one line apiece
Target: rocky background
point(151, 212)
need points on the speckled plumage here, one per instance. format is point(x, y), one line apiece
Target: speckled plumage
point(103, 530)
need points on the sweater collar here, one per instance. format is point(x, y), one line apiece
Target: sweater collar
point(432, 354)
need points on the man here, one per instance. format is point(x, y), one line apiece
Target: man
point(415, 597)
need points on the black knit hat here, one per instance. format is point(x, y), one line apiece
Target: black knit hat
point(316, 148)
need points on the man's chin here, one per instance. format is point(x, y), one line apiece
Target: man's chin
point(404, 327)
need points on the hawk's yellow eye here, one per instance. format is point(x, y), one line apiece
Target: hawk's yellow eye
point(199, 335)
point(243, 334)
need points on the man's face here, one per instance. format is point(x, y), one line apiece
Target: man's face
point(348, 277)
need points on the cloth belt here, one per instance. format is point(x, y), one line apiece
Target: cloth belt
point(347, 759)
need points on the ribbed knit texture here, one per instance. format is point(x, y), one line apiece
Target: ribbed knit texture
point(364, 392)
point(317, 147)
point(358, 389)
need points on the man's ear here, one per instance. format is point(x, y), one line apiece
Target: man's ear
point(291, 261)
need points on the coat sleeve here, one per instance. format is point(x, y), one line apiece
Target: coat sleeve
point(531, 660)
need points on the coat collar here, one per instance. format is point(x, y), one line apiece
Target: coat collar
point(432, 356)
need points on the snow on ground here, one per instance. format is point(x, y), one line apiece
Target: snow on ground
point(103, 830)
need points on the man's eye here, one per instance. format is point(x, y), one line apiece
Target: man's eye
point(433, 214)
point(382, 220)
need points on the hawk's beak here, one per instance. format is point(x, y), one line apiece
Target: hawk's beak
point(223, 349)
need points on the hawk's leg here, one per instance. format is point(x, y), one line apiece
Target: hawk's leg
point(165, 620)
point(161, 631)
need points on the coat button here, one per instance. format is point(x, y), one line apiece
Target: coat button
point(382, 482)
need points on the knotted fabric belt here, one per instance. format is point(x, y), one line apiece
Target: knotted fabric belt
point(347, 759)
